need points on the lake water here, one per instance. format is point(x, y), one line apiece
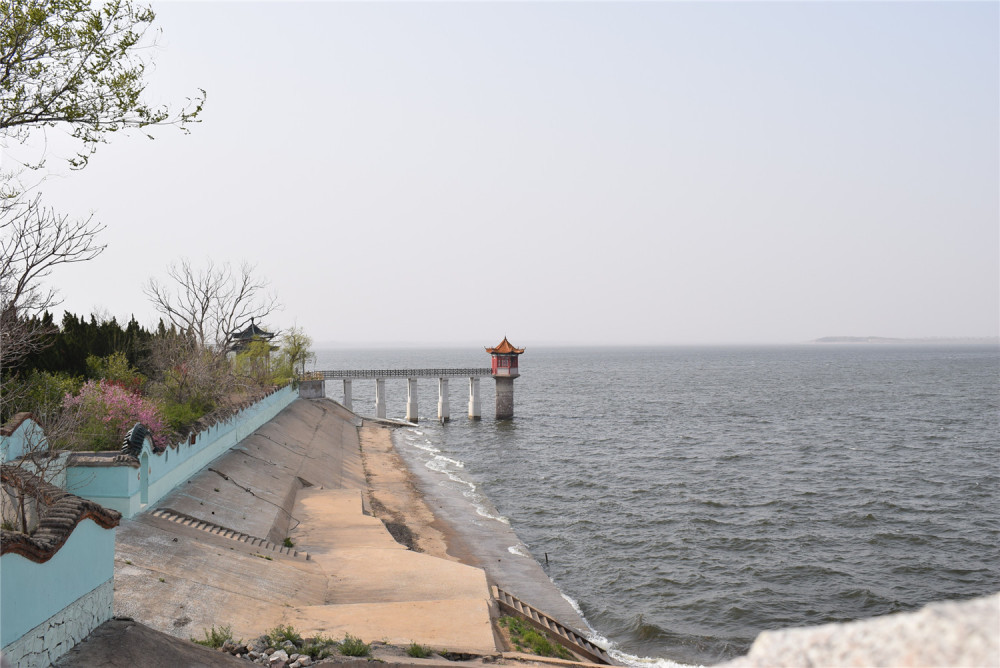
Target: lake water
point(689, 498)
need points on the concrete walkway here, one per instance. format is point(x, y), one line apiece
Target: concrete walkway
point(298, 477)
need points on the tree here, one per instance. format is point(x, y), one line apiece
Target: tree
point(213, 303)
point(253, 363)
point(63, 62)
point(33, 241)
point(188, 379)
point(295, 347)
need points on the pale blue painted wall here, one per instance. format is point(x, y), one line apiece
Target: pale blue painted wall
point(32, 593)
point(118, 487)
point(26, 437)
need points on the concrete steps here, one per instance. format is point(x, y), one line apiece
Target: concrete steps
point(209, 527)
point(574, 642)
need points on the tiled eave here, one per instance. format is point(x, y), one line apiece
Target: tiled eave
point(63, 512)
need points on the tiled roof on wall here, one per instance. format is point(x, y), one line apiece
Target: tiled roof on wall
point(64, 512)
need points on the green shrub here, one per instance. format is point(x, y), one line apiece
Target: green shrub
point(282, 632)
point(289, 543)
point(115, 368)
point(319, 647)
point(44, 391)
point(215, 639)
point(352, 646)
point(180, 416)
point(526, 639)
point(418, 651)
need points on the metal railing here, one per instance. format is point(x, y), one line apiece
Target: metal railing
point(405, 373)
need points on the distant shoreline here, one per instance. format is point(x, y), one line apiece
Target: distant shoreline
point(969, 340)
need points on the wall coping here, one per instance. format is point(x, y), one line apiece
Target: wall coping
point(15, 422)
point(108, 458)
point(65, 512)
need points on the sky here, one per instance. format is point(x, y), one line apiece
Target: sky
point(449, 173)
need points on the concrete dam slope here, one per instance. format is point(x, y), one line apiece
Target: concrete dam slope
point(212, 552)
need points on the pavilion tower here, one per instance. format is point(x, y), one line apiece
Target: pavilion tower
point(504, 372)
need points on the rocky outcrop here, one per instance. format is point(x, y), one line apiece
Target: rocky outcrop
point(950, 633)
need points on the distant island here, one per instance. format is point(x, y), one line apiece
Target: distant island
point(970, 340)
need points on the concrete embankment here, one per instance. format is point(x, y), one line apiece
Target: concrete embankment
point(213, 556)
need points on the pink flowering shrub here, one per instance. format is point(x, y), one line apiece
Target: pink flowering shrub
point(106, 411)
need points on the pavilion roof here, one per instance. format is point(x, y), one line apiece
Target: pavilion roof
point(505, 348)
point(252, 332)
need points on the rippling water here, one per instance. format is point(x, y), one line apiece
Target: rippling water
point(689, 498)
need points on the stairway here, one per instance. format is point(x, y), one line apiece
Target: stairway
point(568, 638)
point(251, 541)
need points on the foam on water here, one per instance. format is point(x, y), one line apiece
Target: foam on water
point(646, 662)
point(612, 649)
point(449, 467)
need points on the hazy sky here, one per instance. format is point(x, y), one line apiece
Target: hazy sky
point(568, 172)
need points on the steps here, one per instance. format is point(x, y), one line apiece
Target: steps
point(574, 642)
point(209, 527)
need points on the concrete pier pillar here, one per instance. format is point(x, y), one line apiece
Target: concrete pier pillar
point(475, 411)
point(505, 397)
point(380, 398)
point(411, 399)
point(347, 394)
point(443, 412)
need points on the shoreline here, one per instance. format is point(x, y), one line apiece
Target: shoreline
point(445, 524)
point(394, 497)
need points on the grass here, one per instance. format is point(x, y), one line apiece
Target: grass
point(289, 543)
point(418, 651)
point(525, 638)
point(215, 639)
point(352, 646)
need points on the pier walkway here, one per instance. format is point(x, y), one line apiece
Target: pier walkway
point(405, 373)
point(411, 376)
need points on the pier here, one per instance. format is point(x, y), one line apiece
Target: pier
point(503, 370)
point(411, 376)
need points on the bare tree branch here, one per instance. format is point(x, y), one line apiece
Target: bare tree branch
point(33, 241)
point(211, 303)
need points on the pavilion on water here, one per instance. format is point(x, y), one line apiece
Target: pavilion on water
point(504, 371)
